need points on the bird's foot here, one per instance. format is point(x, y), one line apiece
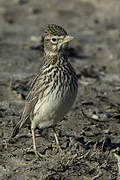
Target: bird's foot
point(58, 148)
point(37, 154)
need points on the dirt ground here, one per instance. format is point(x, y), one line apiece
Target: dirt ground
point(90, 132)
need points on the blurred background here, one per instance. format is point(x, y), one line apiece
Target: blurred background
point(94, 23)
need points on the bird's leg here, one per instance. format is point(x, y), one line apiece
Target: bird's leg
point(57, 146)
point(33, 138)
point(37, 154)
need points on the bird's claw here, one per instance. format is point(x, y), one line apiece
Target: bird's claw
point(37, 153)
point(58, 148)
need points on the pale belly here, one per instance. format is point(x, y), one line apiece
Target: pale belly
point(52, 109)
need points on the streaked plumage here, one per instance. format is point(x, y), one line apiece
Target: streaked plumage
point(54, 89)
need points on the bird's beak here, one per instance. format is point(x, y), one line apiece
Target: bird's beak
point(67, 39)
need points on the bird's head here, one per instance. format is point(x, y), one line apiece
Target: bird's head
point(55, 39)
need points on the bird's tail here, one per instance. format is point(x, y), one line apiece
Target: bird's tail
point(17, 128)
point(24, 119)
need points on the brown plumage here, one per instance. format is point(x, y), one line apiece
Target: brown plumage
point(54, 89)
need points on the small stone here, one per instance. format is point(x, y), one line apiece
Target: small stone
point(94, 116)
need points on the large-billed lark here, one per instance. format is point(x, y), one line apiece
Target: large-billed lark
point(54, 89)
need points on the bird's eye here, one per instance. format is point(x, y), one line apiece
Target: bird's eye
point(54, 40)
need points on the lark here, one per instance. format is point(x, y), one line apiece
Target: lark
point(54, 89)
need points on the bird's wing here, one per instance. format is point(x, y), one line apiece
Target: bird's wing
point(31, 100)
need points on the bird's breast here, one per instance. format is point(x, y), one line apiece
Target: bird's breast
point(57, 99)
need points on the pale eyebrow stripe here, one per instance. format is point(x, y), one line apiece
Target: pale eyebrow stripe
point(57, 37)
point(61, 37)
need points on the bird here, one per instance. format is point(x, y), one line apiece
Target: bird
point(53, 90)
